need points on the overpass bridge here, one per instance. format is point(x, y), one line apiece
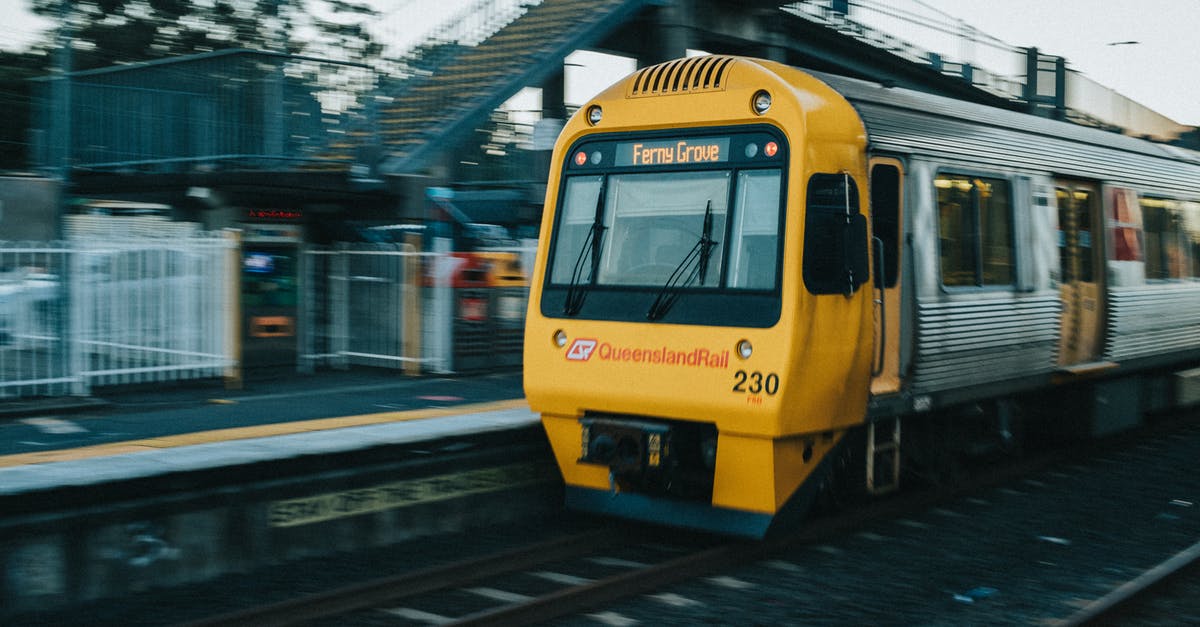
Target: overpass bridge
point(132, 136)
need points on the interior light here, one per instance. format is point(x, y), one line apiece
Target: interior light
point(560, 338)
point(744, 349)
point(594, 114)
point(761, 102)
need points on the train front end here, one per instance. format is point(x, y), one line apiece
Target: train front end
point(697, 339)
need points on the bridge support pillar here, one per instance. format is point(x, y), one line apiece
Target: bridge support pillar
point(675, 24)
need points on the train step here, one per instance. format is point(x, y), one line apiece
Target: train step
point(883, 456)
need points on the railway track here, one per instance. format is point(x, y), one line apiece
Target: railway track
point(577, 572)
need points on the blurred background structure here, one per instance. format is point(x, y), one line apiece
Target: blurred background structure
point(384, 171)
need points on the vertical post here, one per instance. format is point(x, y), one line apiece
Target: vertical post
point(77, 308)
point(412, 304)
point(675, 22)
point(233, 310)
point(60, 119)
point(272, 111)
point(339, 283)
point(1031, 79)
point(304, 306)
point(1060, 88)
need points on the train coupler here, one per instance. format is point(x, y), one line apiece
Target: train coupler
point(651, 456)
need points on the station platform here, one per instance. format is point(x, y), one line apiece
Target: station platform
point(140, 433)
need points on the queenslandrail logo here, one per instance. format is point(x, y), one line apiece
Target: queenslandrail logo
point(581, 350)
point(586, 349)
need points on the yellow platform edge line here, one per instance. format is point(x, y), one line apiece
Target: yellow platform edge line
point(257, 431)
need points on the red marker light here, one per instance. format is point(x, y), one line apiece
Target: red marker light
point(580, 158)
point(770, 149)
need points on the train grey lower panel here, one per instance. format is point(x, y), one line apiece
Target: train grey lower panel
point(1152, 320)
point(966, 343)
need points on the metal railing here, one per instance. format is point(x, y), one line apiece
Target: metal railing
point(361, 306)
point(34, 357)
point(388, 305)
point(75, 315)
point(232, 108)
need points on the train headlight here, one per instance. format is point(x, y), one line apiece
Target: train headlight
point(745, 349)
point(560, 338)
point(594, 114)
point(761, 101)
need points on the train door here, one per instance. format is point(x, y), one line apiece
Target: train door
point(1082, 286)
point(887, 187)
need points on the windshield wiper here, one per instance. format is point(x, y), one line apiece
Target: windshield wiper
point(576, 291)
point(676, 282)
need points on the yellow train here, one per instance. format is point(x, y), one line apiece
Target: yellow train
point(749, 276)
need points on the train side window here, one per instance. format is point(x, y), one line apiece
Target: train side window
point(755, 239)
point(578, 213)
point(835, 236)
point(885, 219)
point(1172, 237)
point(975, 227)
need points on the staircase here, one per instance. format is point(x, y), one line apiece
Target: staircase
point(431, 113)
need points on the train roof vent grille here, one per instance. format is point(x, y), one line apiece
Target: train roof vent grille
point(682, 76)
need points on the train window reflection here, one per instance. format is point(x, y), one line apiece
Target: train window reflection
point(654, 221)
point(1172, 237)
point(579, 213)
point(835, 236)
point(755, 233)
point(975, 229)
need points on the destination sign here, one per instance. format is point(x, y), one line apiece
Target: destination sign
point(673, 151)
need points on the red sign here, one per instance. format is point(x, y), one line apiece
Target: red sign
point(274, 214)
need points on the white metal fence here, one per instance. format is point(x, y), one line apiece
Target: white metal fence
point(80, 314)
point(74, 315)
point(34, 359)
point(361, 306)
point(388, 305)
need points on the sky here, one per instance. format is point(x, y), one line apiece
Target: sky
point(1160, 71)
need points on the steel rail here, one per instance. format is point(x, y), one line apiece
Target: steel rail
point(380, 591)
point(1124, 598)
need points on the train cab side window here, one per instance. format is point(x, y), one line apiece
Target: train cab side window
point(578, 215)
point(754, 253)
point(1172, 236)
point(975, 227)
point(835, 236)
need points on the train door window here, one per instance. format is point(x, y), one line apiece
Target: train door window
point(755, 238)
point(1191, 219)
point(1075, 207)
point(1172, 231)
point(885, 219)
point(578, 215)
point(975, 228)
point(835, 236)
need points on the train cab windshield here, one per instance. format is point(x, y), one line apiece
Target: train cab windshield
point(683, 229)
